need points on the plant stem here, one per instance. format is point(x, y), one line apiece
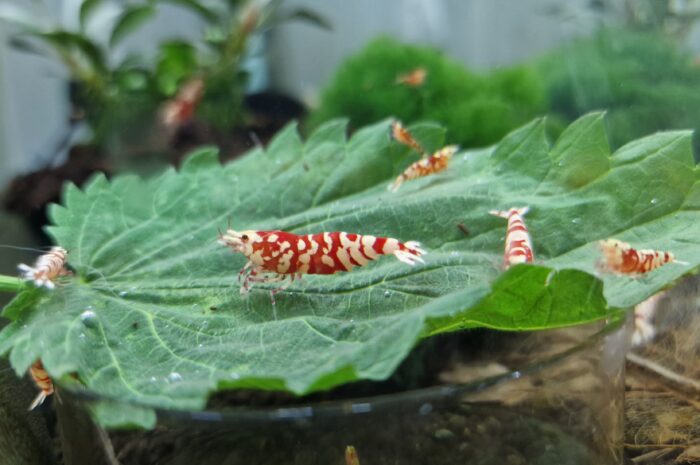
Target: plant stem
point(10, 284)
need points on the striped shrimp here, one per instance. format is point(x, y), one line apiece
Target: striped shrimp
point(43, 381)
point(180, 109)
point(414, 78)
point(275, 255)
point(621, 258)
point(403, 136)
point(518, 242)
point(47, 269)
point(433, 164)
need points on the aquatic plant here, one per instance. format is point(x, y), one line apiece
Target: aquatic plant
point(644, 81)
point(476, 109)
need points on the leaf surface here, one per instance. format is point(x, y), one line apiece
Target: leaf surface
point(154, 314)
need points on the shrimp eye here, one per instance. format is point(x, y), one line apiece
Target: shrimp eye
point(244, 237)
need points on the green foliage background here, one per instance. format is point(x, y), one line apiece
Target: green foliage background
point(477, 110)
point(645, 82)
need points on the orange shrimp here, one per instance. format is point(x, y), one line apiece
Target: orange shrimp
point(621, 258)
point(43, 381)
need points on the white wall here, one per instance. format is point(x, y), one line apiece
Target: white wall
point(33, 110)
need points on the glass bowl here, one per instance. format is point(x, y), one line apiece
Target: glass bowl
point(547, 397)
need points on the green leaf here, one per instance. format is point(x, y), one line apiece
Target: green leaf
point(72, 41)
point(87, 8)
point(130, 20)
point(154, 315)
point(303, 14)
point(198, 8)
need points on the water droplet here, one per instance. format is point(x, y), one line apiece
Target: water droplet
point(89, 318)
point(153, 379)
point(561, 163)
point(387, 293)
point(654, 201)
point(123, 293)
point(81, 336)
point(174, 377)
point(576, 221)
point(454, 253)
point(200, 345)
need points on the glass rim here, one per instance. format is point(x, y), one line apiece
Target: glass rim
point(423, 398)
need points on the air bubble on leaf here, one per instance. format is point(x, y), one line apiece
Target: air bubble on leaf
point(123, 293)
point(387, 293)
point(174, 377)
point(205, 323)
point(576, 221)
point(81, 336)
point(654, 201)
point(190, 237)
point(200, 345)
point(561, 163)
point(89, 318)
point(153, 379)
point(234, 376)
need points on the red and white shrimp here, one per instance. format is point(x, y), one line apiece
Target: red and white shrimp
point(621, 258)
point(433, 164)
point(276, 255)
point(180, 109)
point(414, 78)
point(351, 457)
point(47, 269)
point(518, 242)
point(644, 330)
point(403, 136)
point(43, 381)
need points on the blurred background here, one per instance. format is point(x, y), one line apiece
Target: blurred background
point(133, 85)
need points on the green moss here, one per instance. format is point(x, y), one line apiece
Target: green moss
point(477, 110)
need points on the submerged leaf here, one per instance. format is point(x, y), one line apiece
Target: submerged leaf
point(155, 315)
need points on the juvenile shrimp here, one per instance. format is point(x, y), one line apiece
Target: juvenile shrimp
point(180, 110)
point(47, 269)
point(43, 381)
point(518, 242)
point(403, 136)
point(276, 255)
point(414, 78)
point(433, 164)
point(621, 258)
